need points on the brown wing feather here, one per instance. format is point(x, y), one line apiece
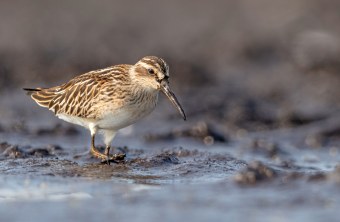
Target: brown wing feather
point(74, 100)
point(77, 96)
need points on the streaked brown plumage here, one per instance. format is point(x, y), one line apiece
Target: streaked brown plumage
point(109, 99)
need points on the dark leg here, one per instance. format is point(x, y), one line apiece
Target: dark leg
point(116, 158)
point(107, 153)
point(106, 158)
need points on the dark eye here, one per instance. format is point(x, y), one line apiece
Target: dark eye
point(151, 71)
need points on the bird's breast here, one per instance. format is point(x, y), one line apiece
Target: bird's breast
point(136, 108)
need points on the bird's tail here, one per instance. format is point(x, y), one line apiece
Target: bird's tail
point(41, 96)
point(31, 91)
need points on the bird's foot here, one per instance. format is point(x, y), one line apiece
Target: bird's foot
point(106, 158)
point(116, 158)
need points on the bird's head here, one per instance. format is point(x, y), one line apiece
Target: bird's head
point(152, 73)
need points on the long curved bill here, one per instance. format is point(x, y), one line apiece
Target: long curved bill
point(167, 91)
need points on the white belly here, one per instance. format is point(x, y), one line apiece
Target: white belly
point(115, 120)
point(122, 118)
point(76, 120)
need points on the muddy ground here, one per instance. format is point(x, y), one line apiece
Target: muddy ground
point(259, 81)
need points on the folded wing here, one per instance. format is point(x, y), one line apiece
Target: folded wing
point(73, 98)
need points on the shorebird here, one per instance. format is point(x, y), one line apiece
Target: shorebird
point(109, 99)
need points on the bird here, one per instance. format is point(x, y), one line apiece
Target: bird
point(109, 99)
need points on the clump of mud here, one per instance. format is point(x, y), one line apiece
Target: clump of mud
point(254, 173)
point(14, 151)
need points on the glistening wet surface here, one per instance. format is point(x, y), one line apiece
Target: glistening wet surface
point(192, 173)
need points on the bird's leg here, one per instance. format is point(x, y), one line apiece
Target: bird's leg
point(94, 151)
point(108, 137)
point(107, 153)
point(106, 158)
point(113, 158)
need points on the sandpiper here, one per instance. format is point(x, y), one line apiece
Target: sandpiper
point(109, 99)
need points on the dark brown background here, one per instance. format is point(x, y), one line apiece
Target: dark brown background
point(283, 52)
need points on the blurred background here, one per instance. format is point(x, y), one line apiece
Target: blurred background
point(252, 64)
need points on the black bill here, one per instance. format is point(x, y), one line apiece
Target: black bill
point(166, 90)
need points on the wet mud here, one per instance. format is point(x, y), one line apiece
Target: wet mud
point(221, 163)
point(140, 165)
point(253, 171)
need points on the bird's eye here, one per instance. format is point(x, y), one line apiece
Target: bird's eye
point(151, 71)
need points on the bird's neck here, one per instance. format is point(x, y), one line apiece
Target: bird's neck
point(142, 95)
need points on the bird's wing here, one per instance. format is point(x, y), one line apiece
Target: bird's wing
point(79, 96)
point(75, 97)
